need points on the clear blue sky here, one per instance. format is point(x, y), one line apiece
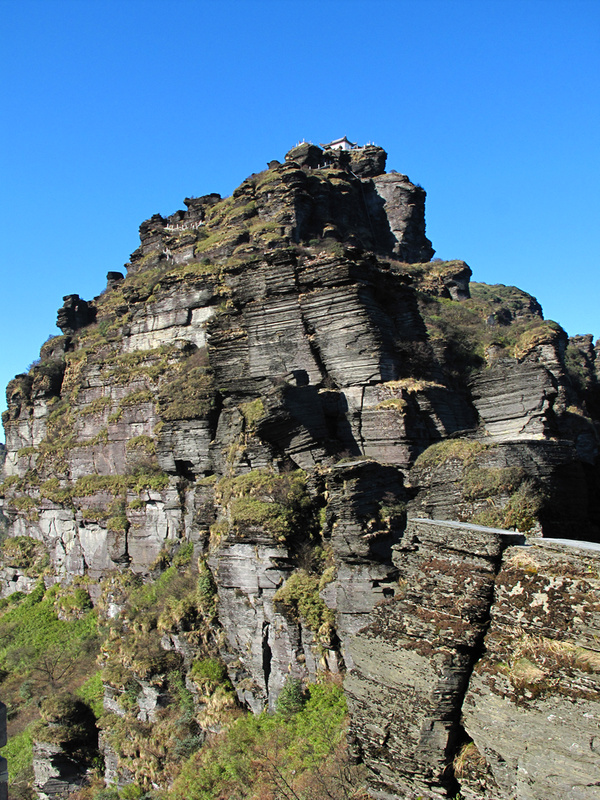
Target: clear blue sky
point(114, 110)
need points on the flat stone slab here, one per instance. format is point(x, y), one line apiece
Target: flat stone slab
point(444, 523)
point(576, 543)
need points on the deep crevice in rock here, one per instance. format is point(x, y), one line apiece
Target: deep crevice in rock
point(267, 655)
point(460, 736)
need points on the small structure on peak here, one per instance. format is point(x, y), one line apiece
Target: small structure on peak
point(340, 144)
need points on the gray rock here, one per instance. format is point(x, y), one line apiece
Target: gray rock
point(412, 661)
point(56, 774)
point(532, 704)
point(287, 327)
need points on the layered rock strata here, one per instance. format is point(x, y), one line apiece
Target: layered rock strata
point(413, 660)
point(532, 708)
point(280, 378)
point(482, 674)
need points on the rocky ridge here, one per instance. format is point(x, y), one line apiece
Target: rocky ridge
point(248, 418)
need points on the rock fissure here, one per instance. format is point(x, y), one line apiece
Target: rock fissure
point(361, 441)
point(475, 654)
point(267, 654)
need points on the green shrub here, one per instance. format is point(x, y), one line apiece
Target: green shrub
point(11, 600)
point(31, 628)
point(39, 655)
point(136, 398)
point(11, 482)
point(23, 503)
point(520, 513)
point(132, 792)
point(210, 673)
point(482, 482)
point(194, 270)
point(131, 400)
point(60, 433)
point(499, 315)
point(68, 721)
point(136, 504)
point(54, 490)
point(26, 451)
point(250, 512)
point(252, 412)
point(392, 510)
point(174, 603)
point(123, 369)
point(576, 367)
point(96, 406)
point(297, 744)
point(279, 503)
point(95, 514)
point(396, 403)
point(291, 698)
point(183, 556)
point(146, 477)
point(93, 484)
point(300, 595)
point(19, 754)
point(25, 553)
point(523, 507)
point(144, 444)
point(74, 601)
point(118, 523)
point(92, 693)
point(546, 332)
point(205, 585)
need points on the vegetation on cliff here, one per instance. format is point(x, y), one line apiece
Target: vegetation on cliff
point(49, 641)
point(209, 474)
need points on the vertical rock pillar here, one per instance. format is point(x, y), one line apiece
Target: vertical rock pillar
point(533, 703)
point(413, 661)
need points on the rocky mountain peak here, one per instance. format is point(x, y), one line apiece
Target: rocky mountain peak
point(313, 197)
point(221, 453)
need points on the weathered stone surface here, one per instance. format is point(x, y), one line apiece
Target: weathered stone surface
point(364, 519)
point(412, 661)
point(262, 646)
point(301, 324)
point(75, 314)
point(532, 706)
point(515, 401)
point(404, 205)
point(56, 775)
point(184, 447)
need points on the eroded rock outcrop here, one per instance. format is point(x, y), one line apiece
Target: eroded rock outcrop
point(481, 675)
point(66, 741)
point(532, 707)
point(221, 449)
point(413, 660)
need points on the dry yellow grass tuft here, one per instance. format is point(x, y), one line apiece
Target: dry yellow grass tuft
point(468, 761)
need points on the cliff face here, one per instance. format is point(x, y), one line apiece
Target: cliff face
point(482, 674)
point(249, 416)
